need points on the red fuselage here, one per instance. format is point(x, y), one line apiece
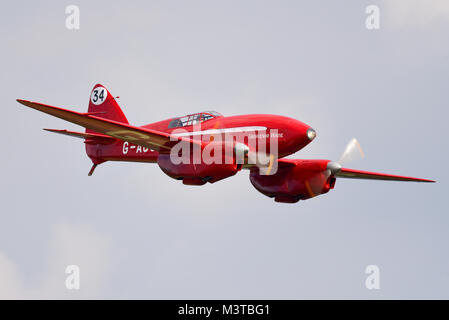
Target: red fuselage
point(292, 135)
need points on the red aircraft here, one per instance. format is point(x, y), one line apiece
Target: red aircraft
point(109, 137)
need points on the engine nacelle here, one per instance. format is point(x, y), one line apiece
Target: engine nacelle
point(297, 180)
point(196, 174)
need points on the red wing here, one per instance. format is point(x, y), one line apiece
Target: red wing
point(156, 140)
point(358, 174)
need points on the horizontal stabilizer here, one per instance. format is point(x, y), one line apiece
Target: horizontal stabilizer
point(358, 174)
point(82, 135)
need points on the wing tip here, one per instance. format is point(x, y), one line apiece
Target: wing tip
point(24, 102)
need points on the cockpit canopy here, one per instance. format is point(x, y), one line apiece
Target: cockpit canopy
point(192, 119)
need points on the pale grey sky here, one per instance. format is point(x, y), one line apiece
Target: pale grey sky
point(135, 233)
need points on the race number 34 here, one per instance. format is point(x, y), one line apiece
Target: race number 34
point(98, 95)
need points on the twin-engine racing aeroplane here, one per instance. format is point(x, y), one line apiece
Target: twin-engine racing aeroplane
point(207, 147)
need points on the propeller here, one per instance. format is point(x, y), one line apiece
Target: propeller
point(352, 152)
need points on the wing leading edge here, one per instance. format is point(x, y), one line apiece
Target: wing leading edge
point(354, 174)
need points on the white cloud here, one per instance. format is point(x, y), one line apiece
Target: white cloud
point(416, 13)
point(71, 244)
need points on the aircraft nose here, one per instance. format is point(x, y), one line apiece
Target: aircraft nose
point(303, 134)
point(296, 135)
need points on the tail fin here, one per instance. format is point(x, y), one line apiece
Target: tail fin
point(102, 104)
